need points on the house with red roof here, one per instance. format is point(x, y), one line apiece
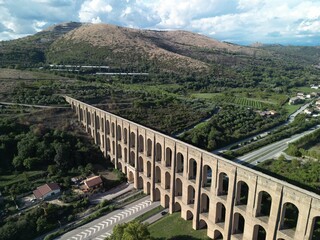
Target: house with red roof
point(46, 190)
point(93, 182)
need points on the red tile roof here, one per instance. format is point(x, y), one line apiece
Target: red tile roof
point(45, 189)
point(93, 181)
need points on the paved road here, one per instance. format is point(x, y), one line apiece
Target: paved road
point(102, 227)
point(30, 105)
point(271, 150)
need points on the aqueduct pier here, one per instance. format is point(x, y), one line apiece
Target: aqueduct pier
point(230, 200)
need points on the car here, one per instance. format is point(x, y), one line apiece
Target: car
point(163, 213)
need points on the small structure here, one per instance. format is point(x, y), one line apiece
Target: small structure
point(93, 183)
point(295, 100)
point(46, 190)
point(308, 111)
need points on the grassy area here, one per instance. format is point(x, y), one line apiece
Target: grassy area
point(305, 90)
point(8, 180)
point(175, 228)
point(315, 148)
point(149, 214)
point(292, 108)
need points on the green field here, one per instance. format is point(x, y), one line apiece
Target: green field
point(292, 108)
point(175, 228)
point(305, 90)
point(8, 180)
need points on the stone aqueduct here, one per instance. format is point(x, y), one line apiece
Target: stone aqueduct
point(230, 200)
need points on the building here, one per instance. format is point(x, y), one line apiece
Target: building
point(46, 191)
point(230, 200)
point(295, 100)
point(93, 183)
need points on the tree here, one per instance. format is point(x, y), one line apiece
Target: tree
point(131, 231)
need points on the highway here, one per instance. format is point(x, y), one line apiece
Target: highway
point(272, 150)
point(102, 227)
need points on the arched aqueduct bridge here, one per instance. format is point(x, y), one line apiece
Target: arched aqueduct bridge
point(230, 200)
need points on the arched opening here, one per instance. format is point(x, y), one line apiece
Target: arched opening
point(132, 159)
point(167, 180)
point(192, 169)
point(290, 215)
point(158, 152)
point(204, 204)
point(223, 184)
point(178, 188)
point(179, 166)
point(221, 213)
point(315, 231)
point(166, 201)
point(148, 187)
point(259, 233)
point(148, 169)
point(131, 177)
point(140, 164)
point(264, 204)
point(132, 139)
point(81, 114)
point(191, 194)
point(108, 127)
point(202, 224)
point(158, 175)
point(108, 145)
point(119, 134)
point(217, 235)
point(112, 130)
point(102, 124)
point(189, 215)
point(242, 193)
point(88, 117)
point(238, 223)
point(125, 151)
point(156, 195)
point(140, 183)
point(140, 143)
point(119, 166)
point(113, 148)
point(125, 136)
point(97, 122)
point(177, 207)
point(168, 157)
point(149, 147)
point(98, 139)
point(125, 170)
point(206, 176)
point(119, 151)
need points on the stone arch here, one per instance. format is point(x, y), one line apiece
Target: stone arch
point(132, 159)
point(206, 176)
point(259, 233)
point(112, 130)
point(88, 117)
point(113, 147)
point(125, 170)
point(140, 164)
point(119, 151)
point(156, 195)
point(204, 203)
point(242, 193)
point(203, 224)
point(108, 145)
point(238, 223)
point(166, 201)
point(176, 207)
point(80, 113)
point(158, 152)
point(149, 147)
point(180, 163)
point(167, 180)
point(108, 127)
point(168, 157)
point(125, 135)
point(191, 194)
point(264, 204)
point(119, 134)
point(148, 169)
point(217, 235)
point(221, 213)
point(189, 215)
point(178, 188)
point(132, 139)
point(157, 175)
point(223, 184)
point(98, 139)
point(125, 151)
point(97, 122)
point(102, 124)
point(141, 144)
point(192, 168)
point(131, 177)
point(140, 183)
point(315, 231)
point(290, 215)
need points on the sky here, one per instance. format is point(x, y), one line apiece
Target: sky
point(287, 22)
